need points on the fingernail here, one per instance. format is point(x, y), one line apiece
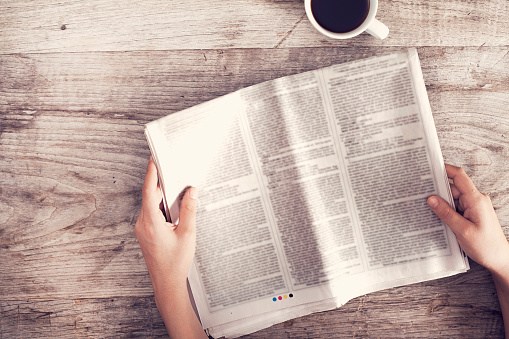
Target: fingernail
point(432, 202)
point(193, 193)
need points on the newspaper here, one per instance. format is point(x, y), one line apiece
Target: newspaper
point(313, 191)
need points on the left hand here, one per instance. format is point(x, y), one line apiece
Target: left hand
point(168, 249)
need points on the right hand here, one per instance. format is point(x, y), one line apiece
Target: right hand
point(476, 225)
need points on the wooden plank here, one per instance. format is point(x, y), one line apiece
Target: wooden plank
point(81, 318)
point(73, 157)
point(146, 85)
point(461, 306)
point(79, 26)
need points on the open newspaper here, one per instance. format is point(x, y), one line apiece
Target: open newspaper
point(313, 191)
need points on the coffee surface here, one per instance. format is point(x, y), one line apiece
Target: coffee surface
point(340, 16)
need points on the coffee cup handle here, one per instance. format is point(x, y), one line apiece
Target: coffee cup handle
point(378, 29)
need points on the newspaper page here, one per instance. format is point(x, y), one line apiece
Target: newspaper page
point(312, 191)
point(390, 151)
point(239, 267)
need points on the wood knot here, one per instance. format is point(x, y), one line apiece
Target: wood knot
point(119, 247)
point(288, 323)
point(437, 303)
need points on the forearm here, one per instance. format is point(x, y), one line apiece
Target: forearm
point(175, 308)
point(501, 280)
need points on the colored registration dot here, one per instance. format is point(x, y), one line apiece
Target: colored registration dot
point(290, 295)
point(280, 297)
point(285, 296)
point(274, 299)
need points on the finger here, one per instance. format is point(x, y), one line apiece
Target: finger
point(447, 214)
point(187, 217)
point(459, 206)
point(461, 180)
point(151, 192)
point(463, 203)
point(455, 192)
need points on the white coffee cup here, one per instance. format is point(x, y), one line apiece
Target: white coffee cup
point(369, 25)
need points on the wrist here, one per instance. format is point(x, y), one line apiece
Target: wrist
point(174, 305)
point(170, 295)
point(169, 285)
point(501, 272)
point(502, 269)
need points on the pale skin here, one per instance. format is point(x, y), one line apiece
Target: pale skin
point(478, 231)
point(169, 249)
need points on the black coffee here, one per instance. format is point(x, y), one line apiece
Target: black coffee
point(340, 16)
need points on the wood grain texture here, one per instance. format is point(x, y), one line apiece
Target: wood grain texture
point(72, 154)
point(73, 158)
point(82, 318)
point(31, 26)
point(440, 308)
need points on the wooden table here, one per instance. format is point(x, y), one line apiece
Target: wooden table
point(78, 81)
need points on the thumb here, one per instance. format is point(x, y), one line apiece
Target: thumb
point(447, 214)
point(187, 217)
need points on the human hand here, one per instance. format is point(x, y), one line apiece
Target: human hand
point(168, 249)
point(476, 225)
